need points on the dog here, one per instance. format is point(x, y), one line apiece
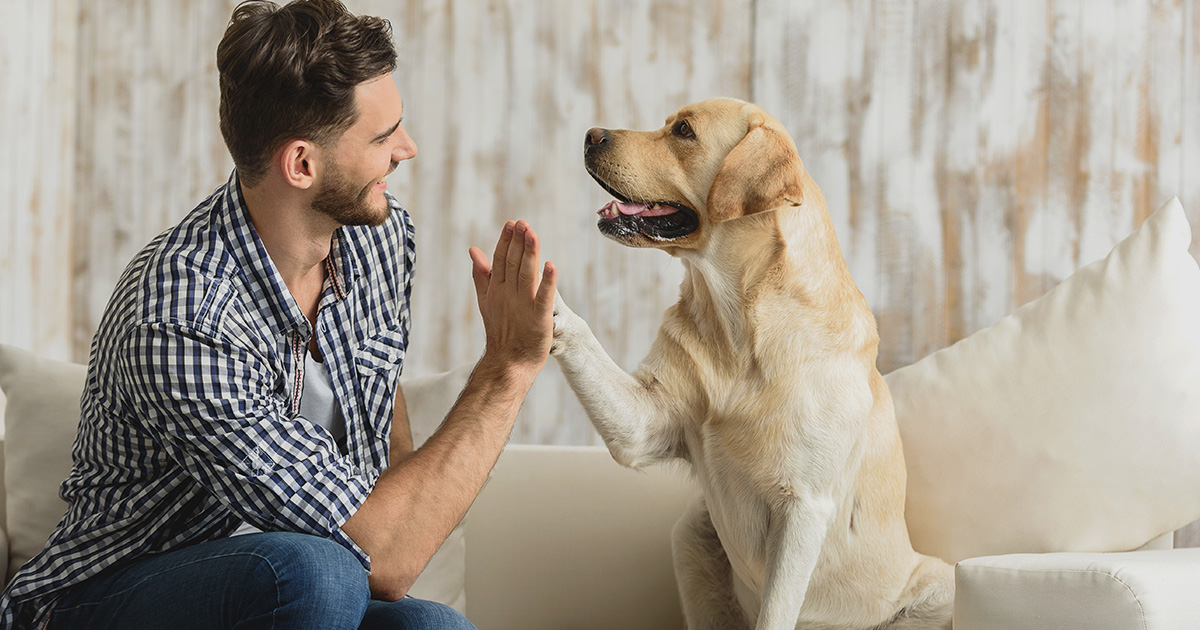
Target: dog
point(762, 378)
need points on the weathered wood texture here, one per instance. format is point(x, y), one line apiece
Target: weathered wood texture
point(973, 153)
point(147, 144)
point(37, 155)
point(498, 97)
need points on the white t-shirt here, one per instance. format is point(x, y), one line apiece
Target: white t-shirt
point(318, 406)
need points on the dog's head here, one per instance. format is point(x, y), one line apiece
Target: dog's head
point(712, 162)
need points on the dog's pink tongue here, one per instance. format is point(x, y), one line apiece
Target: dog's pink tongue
point(631, 208)
point(616, 208)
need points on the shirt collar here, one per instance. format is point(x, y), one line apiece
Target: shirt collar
point(267, 290)
point(340, 270)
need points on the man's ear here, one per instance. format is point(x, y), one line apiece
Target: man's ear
point(761, 173)
point(297, 161)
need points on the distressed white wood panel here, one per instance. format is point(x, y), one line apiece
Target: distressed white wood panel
point(37, 72)
point(976, 153)
point(148, 146)
point(498, 96)
point(1189, 166)
point(37, 62)
point(973, 153)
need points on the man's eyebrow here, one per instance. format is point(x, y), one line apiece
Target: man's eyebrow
point(389, 131)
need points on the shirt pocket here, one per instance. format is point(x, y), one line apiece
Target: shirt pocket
point(377, 363)
point(382, 351)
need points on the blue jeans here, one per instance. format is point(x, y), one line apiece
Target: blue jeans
point(269, 580)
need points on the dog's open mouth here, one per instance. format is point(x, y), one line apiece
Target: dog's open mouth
point(624, 218)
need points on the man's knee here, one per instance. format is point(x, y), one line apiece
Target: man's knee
point(413, 614)
point(314, 562)
point(315, 580)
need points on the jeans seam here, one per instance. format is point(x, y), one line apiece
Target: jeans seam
point(146, 578)
point(278, 599)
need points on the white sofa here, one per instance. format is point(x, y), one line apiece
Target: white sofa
point(1038, 450)
point(562, 538)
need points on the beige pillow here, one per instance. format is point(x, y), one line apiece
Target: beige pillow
point(42, 415)
point(1072, 424)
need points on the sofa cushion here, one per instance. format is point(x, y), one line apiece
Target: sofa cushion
point(563, 537)
point(41, 417)
point(1150, 590)
point(1072, 424)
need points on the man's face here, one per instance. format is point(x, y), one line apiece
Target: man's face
point(357, 164)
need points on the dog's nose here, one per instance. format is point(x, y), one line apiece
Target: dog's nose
point(595, 136)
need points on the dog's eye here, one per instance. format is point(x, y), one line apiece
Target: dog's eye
point(684, 130)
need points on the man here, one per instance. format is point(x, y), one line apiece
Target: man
point(245, 375)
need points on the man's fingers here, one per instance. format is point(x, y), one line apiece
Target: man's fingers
point(547, 292)
point(480, 270)
point(529, 262)
point(502, 245)
point(516, 250)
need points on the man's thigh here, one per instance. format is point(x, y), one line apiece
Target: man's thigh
point(245, 582)
point(413, 614)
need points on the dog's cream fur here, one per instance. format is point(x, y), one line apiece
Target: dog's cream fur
point(763, 379)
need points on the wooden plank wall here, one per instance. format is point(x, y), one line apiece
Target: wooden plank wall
point(37, 128)
point(37, 155)
point(973, 153)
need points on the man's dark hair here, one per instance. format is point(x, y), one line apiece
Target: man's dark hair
point(290, 72)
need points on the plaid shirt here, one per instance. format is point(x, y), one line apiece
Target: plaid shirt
point(189, 416)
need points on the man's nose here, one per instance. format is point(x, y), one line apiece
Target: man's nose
point(405, 148)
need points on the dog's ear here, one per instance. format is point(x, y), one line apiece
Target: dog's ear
point(761, 173)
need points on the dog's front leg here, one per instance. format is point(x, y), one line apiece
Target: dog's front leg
point(627, 412)
point(794, 539)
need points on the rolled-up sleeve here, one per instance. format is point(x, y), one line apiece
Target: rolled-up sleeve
point(219, 411)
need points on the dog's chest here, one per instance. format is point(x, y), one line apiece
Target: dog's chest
point(739, 492)
point(741, 517)
point(764, 445)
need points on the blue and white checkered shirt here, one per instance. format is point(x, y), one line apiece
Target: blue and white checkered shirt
point(190, 414)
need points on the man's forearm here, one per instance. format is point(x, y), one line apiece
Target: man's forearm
point(419, 499)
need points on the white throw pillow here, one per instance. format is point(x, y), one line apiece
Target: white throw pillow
point(1072, 424)
point(42, 416)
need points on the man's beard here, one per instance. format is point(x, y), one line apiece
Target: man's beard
point(340, 201)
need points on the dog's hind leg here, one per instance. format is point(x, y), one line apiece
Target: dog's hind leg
point(930, 594)
point(703, 573)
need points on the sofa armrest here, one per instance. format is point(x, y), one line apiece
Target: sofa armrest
point(1152, 590)
point(564, 537)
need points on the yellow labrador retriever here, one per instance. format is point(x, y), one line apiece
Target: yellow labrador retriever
point(762, 378)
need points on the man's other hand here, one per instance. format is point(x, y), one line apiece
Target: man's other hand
point(516, 299)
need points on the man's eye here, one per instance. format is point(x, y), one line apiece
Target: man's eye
point(684, 130)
